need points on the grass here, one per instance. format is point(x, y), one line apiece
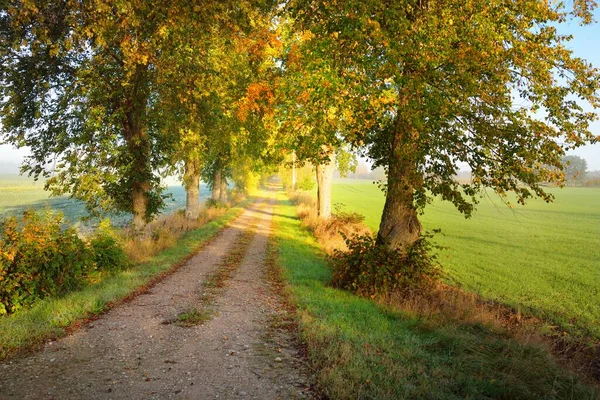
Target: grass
point(541, 258)
point(364, 350)
point(193, 317)
point(53, 316)
point(18, 193)
point(163, 233)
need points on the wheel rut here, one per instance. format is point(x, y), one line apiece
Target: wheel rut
point(131, 353)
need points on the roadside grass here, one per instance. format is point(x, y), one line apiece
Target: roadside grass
point(360, 349)
point(53, 317)
point(163, 233)
point(540, 259)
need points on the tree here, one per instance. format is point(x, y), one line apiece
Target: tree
point(97, 88)
point(574, 167)
point(425, 85)
point(306, 116)
point(78, 87)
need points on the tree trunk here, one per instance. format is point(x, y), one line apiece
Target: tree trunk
point(293, 170)
point(140, 203)
point(324, 184)
point(139, 147)
point(191, 180)
point(138, 144)
point(223, 191)
point(216, 186)
point(400, 224)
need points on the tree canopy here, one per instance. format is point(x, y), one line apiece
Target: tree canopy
point(109, 94)
point(425, 86)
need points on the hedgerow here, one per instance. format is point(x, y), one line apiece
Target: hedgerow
point(41, 256)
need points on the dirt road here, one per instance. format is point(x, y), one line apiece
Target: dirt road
point(139, 351)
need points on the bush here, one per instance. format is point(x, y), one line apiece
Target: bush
point(108, 253)
point(213, 203)
point(308, 183)
point(370, 270)
point(40, 256)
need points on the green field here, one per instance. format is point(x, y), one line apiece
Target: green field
point(18, 193)
point(362, 350)
point(542, 257)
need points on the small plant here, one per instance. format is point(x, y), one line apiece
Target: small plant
point(307, 183)
point(213, 203)
point(193, 317)
point(39, 257)
point(108, 253)
point(370, 270)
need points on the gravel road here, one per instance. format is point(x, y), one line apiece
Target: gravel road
point(133, 352)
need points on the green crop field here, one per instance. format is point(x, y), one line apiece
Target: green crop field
point(18, 193)
point(542, 257)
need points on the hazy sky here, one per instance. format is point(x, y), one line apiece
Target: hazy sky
point(586, 44)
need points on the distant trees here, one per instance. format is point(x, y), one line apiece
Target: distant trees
point(574, 167)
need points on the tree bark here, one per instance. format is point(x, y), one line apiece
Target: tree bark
point(139, 147)
point(216, 186)
point(400, 224)
point(293, 170)
point(191, 180)
point(324, 184)
point(140, 191)
point(223, 191)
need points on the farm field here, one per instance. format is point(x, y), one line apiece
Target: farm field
point(541, 257)
point(18, 193)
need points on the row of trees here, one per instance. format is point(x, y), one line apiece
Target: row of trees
point(109, 94)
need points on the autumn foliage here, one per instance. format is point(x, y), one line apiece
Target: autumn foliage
point(40, 256)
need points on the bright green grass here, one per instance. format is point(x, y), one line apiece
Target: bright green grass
point(18, 193)
point(543, 257)
point(362, 350)
point(51, 316)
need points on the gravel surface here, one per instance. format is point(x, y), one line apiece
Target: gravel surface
point(132, 352)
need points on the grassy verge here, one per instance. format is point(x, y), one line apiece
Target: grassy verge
point(52, 317)
point(539, 258)
point(364, 350)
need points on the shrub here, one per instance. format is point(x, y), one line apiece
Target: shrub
point(39, 257)
point(307, 183)
point(345, 217)
point(370, 270)
point(213, 203)
point(108, 253)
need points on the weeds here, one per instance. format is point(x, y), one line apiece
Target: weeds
point(370, 270)
point(193, 317)
point(331, 233)
point(163, 233)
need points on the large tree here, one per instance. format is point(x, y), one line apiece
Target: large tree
point(426, 86)
point(89, 86)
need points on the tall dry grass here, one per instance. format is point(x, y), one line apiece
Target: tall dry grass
point(164, 232)
point(328, 232)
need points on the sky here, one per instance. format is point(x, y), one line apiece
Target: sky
point(585, 44)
